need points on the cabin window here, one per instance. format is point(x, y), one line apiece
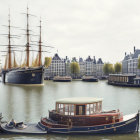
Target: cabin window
point(80, 109)
point(98, 107)
point(66, 109)
point(95, 108)
point(91, 108)
point(71, 109)
point(60, 108)
point(87, 109)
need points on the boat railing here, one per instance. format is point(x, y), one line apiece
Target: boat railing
point(117, 112)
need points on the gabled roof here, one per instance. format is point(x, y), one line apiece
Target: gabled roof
point(74, 59)
point(136, 53)
point(56, 57)
point(100, 61)
point(89, 59)
point(80, 59)
point(126, 57)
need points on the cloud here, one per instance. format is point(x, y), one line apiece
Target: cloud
point(104, 28)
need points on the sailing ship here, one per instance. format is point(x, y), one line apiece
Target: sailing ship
point(25, 74)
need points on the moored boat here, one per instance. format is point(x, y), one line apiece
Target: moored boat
point(62, 79)
point(25, 73)
point(89, 79)
point(85, 115)
point(124, 80)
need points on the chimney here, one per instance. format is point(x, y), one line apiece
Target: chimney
point(134, 49)
point(125, 53)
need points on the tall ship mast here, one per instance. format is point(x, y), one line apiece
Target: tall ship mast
point(9, 45)
point(28, 74)
point(28, 42)
point(40, 49)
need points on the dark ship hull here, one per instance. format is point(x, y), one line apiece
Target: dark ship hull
point(90, 79)
point(129, 125)
point(23, 76)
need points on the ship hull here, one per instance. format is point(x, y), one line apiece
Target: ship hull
point(62, 80)
point(130, 125)
point(90, 80)
point(23, 76)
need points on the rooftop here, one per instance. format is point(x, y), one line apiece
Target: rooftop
point(100, 61)
point(79, 100)
point(56, 57)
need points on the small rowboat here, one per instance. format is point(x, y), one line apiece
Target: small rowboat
point(20, 128)
point(85, 115)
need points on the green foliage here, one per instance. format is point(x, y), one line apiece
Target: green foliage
point(74, 59)
point(139, 63)
point(75, 68)
point(48, 61)
point(118, 67)
point(108, 68)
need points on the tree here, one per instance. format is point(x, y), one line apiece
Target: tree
point(48, 61)
point(118, 67)
point(75, 68)
point(139, 63)
point(111, 67)
point(108, 68)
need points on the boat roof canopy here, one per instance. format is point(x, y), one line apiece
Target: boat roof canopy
point(79, 100)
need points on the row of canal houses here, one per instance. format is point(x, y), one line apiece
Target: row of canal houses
point(61, 67)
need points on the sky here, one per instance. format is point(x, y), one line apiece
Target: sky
point(78, 28)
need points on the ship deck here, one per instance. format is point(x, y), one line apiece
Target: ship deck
point(30, 129)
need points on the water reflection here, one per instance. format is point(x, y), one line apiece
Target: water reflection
point(73, 137)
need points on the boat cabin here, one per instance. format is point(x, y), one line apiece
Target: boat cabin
point(79, 106)
point(137, 81)
point(122, 78)
point(80, 111)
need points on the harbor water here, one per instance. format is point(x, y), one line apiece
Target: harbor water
point(30, 103)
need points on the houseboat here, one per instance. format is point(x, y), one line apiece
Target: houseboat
point(85, 115)
point(62, 79)
point(127, 80)
point(89, 79)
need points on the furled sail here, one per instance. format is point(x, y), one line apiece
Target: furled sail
point(5, 65)
point(15, 65)
point(35, 62)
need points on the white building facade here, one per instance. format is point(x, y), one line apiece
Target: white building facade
point(61, 67)
point(130, 63)
point(57, 67)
